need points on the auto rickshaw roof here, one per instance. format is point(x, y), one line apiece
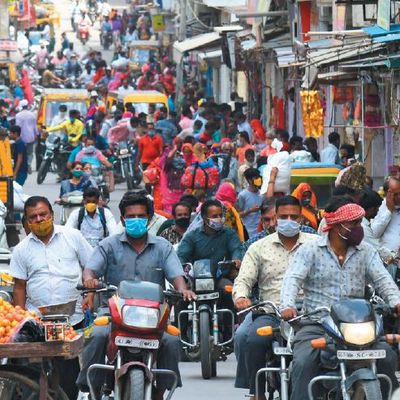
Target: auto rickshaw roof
point(143, 96)
point(66, 94)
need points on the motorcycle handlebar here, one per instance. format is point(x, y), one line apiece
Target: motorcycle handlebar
point(101, 288)
point(261, 304)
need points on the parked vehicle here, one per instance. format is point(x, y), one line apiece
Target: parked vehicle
point(139, 316)
point(348, 355)
point(102, 184)
point(201, 324)
point(126, 156)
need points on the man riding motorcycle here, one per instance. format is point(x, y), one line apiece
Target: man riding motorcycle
point(106, 28)
point(265, 264)
point(215, 242)
point(337, 265)
point(133, 254)
point(73, 127)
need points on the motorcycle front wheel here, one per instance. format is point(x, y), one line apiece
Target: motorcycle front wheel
point(367, 390)
point(134, 385)
point(205, 346)
point(43, 170)
point(129, 179)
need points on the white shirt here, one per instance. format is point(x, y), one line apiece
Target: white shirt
point(370, 238)
point(53, 270)
point(386, 227)
point(122, 92)
point(57, 120)
point(105, 9)
point(245, 127)
point(329, 154)
point(92, 228)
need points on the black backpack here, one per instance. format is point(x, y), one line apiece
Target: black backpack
point(102, 219)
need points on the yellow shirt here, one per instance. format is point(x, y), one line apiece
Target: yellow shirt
point(265, 263)
point(73, 129)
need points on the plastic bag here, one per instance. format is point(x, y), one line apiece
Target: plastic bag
point(301, 156)
point(282, 161)
point(28, 330)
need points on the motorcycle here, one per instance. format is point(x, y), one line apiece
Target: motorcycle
point(202, 336)
point(70, 202)
point(139, 317)
point(102, 185)
point(348, 358)
point(126, 156)
point(55, 157)
point(107, 40)
point(83, 32)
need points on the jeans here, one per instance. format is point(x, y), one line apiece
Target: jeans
point(241, 334)
point(306, 362)
point(29, 152)
point(95, 350)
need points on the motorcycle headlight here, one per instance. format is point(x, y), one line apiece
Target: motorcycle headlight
point(123, 152)
point(140, 317)
point(204, 284)
point(358, 333)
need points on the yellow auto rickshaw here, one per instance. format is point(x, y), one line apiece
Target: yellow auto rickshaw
point(140, 52)
point(320, 177)
point(8, 72)
point(140, 99)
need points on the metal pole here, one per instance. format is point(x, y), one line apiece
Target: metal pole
point(362, 120)
point(4, 20)
point(181, 38)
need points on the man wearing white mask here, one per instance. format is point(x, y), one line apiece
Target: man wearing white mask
point(264, 263)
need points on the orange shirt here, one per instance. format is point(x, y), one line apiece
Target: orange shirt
point(150, 148)
point(240, 153)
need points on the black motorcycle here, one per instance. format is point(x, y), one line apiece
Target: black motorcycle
point(200, 324)
point(107, 40)
point(55, 157)
point(125, 158)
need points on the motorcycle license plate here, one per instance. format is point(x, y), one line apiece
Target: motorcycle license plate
point(124, 155)
point(282, 351)
point(208, 296)
point(360, 354)
point(135, 342)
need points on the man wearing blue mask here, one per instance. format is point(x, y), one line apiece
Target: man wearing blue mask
point(265, 264)
point(134, 254)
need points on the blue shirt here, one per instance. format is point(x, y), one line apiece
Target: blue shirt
point(19, 148)
point(74, 153)
point(168, 130)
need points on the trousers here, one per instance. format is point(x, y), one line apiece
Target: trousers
point(95, 350)
point(306, 362)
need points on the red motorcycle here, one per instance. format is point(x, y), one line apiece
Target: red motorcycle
point(83, 32)
point(139, 317)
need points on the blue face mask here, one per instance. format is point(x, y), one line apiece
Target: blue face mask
point(287, 227)
point(136, 227)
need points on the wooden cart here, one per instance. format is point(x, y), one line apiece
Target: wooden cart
point(44, 379)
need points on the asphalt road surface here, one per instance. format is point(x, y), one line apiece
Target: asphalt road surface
point(194, 387)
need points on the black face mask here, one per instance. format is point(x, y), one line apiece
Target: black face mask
point(183, 222)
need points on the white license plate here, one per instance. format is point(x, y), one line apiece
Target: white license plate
point(360, 354)
point(208, 296)
point(124, 155)
point(135, 342)
point(282, 351)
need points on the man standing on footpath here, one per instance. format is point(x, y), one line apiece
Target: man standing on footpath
point(26, 120)
point(20, 161)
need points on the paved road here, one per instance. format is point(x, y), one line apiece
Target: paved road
point(194, 387)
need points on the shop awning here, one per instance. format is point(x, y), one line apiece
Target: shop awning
point(197, 42)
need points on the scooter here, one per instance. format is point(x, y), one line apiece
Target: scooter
point(348, 358)
point(70, 202)
point(139, 317)
point(126, 156)
point(83, 32)
point(200, 324)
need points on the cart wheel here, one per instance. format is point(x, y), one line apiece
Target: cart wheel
point(19, 386)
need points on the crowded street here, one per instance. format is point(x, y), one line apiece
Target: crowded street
point(199, 199)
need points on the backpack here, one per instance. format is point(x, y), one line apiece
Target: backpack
point(198, 177)
point(102, 219)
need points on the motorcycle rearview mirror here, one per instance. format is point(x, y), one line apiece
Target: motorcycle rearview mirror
point(265, 331)
point(173, 330)
point(102, 321)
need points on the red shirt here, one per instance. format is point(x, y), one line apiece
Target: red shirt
point(150, 148)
